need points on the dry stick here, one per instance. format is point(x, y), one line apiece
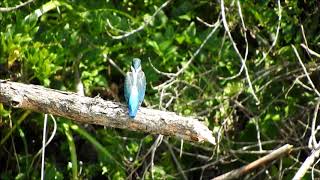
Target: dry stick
point(157, 143)
point(310, 51)
point(305, 71)
point(14, 148)
point(258, 134)
point(176, 161)
point(101, 112)
point(205, 23)
point(144, 24)
point(47, 143)
point(245, 59)
point(105, 56)
point(185, 66)
point(160, 72)
point(115, 65)
point(304, 37)
point(246, 40)
point(276, 154)
point(8, 9)
point(312, 139)
point(43, 145)
point(243, 62)
point(307, 164)
point(313, 168)
point(277, 33)
point(143, 158)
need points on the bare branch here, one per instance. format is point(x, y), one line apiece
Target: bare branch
point(246, 40)
point(176, 160)
point(98, 111)
point(312, 140)
point(258, 134)
point(115, 65)
point(160, 72)
point(310, 51)
point(217, 24)
point(127, 34)
point(8, 9)
point(43, 144)
point(184, 67)
point(305, 71)
point(277, 33)
point(307, 164)
point(47, 143)
point(156, 143)
point(243, 62)
point(205, 23)
point(44, 9)
point(276, 154)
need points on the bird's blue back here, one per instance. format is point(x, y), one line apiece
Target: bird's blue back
point(134, 87)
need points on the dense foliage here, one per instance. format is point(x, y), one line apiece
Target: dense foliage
point(192, 68)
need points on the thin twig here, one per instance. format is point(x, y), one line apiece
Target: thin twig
point(304, 37)
point(312, 140)
point(258, 133)
point(237, 173)
point(156, 144)
point(313, 168)
point(8, 9)
point(205, 23)
point(181, 148)
point(225, 24)
point(184, 67)
point(176, 160)
point(162, 87)
point(305, 71)
point(247, 45)
point(50, 5)
point(144, 24)
point(46, 144)
point(307, 164)
point(193, 155)
point(277, 33)
point(208, 165)
point(310, 51)
point(14, 150)
point(199, 49)
point(260, 152)
point(112, 27)
point(297, 80)
point(43, 144)
point(115, 65)
point(160, 72)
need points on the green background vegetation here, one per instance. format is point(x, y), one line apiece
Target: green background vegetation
point(78, 37)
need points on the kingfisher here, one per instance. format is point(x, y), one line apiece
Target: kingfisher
point(134, 87)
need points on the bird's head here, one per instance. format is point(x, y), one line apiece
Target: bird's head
point(136, 63)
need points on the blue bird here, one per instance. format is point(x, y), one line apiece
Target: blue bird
point(134, 87)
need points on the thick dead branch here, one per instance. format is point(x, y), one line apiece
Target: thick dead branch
point(237, 173)
point(101, 112)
